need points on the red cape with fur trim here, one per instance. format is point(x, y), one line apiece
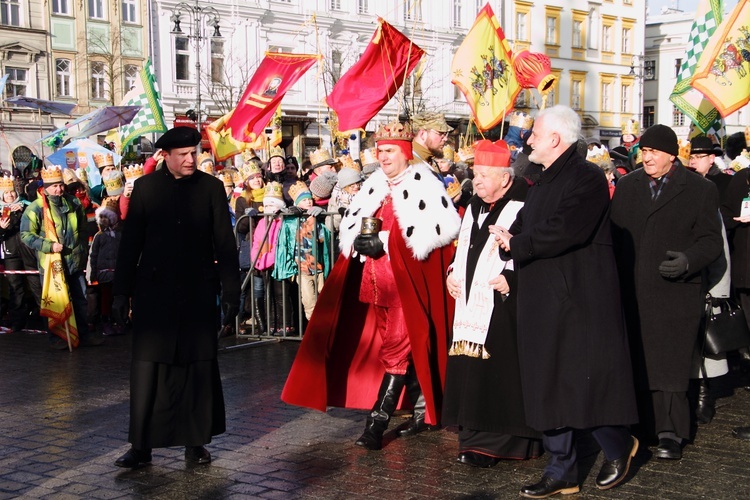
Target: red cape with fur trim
point(337, 363)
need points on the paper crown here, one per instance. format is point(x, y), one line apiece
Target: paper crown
point(348, 162)
point(274, 190)
point(112, 203)
point(453, 187)
point(521, 120)
point(236, 176)
point(320, 157)
point(449, 152)
point(69, 176)
point(52, 174)
point(466, 153)
point(747, 136)
point(684, 151)
point(102, 160)
point(741, 161)
point(248, 155)
point(205, 157)
point(276, 151)
point(599, 156)
point(70, 158)
point(368, 156)
point(394, 131)
point(533, 71)
point(114, 183)
point(226, 177)
point(82, 174)
point(631, 127)
point(299, 191)
point(491, 154)
point(250, 168)
point(6, 184)
point(206, 163)
point(83, 159)
point(132, 172)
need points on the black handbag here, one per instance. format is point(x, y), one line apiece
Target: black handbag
point(727, 329)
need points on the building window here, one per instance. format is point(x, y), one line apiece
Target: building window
point(575, 94)
point(457, 13)
point(649, 113)
point(678, 118)
point(625, 104)
point(96, 9)
point(413, 10)
point(335, 4)
point(626, 41)
point(362, 7)
point(607, 38)
point(577, 34)
point(17, 81)
point(130, 76)
point(649, 69)
point(551, 38)
point(129, 11)
point(217, 61)
point(62, 78)
point(60, 7)
point(98, 81)
point(10, 12)
point(522, 27)
point(182, 58)
point(606, 96)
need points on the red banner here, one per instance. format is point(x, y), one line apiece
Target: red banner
point(375, 78)
point(275, 75)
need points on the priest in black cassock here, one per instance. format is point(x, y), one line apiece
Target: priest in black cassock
point(483, 385)
point(177, 256)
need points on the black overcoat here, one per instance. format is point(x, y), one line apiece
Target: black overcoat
point(663, 315)
point(737, 232)
point(573, 351)
point(177, 254)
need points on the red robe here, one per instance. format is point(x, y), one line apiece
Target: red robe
point(337, 363)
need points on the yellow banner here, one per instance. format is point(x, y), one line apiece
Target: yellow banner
point(224, 145)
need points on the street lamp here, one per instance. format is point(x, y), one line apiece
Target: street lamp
point(197, 16)
point(637, 62)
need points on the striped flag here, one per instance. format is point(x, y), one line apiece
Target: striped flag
point(150, 118)
point(56, 305)
point(686, 98)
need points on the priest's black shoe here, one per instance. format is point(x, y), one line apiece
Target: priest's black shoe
point(613, 472)
point(477, 459)
point(741, 432)
point(548, 487)
point(197, 455)
point(134, 458)
point(668, 449)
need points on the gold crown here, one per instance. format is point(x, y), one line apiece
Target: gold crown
point(82, 174)
point(83, 159)
point(205, 157)
point(521, 120)
point(70, 158)
point(6, 184)
point(226, 177)
point(69, 176)
point(249, 168)
point(599, 156)
point(298, 188)
point(206, 163)
point(112, 203)
point(320, 157)
point(248, 155)
point(276, 151)
point(102, 160)
point(394, 131)
point(466, 153)
point(348, 162)
point(684, 151)
point(113, 183)
point(235, 174)
point(631, 127)
point(133, 172)
point(449, 152)
point(453, 188)
point(368, 156)
point(274, 190)
point(52, 174)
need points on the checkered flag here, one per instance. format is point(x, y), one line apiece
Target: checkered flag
point(150, 118)
point(687, 99)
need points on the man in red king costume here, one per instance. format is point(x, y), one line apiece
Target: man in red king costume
point(382, 322)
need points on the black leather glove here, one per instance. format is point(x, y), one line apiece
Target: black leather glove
point(231, 310)
point(369, 245)
point(121, 309)
point(675, 266)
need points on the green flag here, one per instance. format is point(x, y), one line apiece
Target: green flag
point(150, 118)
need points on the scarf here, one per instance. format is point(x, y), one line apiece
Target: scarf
point(473, 313)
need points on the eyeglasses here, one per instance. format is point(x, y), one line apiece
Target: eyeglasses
point(441, 134)
point(698, 157)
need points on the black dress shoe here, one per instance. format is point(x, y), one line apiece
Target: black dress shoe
point(477, 459)
point(412, 428)
point(613, 472)
point(548, 487)
point(741, 433)
point(668, 449)
point(134, 458)
point(197, 455)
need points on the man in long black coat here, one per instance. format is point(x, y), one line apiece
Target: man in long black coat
point(667, 229)
point(176, 256)
point(573, 350)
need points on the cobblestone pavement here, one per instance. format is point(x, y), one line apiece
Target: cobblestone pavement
point(64, 418)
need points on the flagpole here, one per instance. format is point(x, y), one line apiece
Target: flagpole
point(67, 336)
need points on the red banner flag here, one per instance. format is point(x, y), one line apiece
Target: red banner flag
point(275, 75)
point(375, 78)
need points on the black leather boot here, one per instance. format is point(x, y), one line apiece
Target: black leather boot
point(377, 420)
point(259, 314)
point(416, 424)
point(706, 408)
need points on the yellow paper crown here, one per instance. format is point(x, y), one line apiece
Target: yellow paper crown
point(248, 155)
point(320, 157)
point(296, 189)
point(348, 162)
point(102, 160)
point(205, 157)
point(69, 176)
point(133, 172)
point(368, 156)
point(449, 152)
point(453, 188)
point(631, 127)
point(82, 174)
point(6, 184)
point(466, 153)
point(276, 151)
point(206, 163)
point(599, 156)
point(394, 131)
point(226, 177)
point(274, 190)
point(521, 120)
point(684, 151)
point(113, 183)
point(52, 174)
point(249, 168)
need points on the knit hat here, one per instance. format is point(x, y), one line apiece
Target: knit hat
point(299, 192)
point(322, 186)
point(349, 176)
point(661, 138)
point(108, 213)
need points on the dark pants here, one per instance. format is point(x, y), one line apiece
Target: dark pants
point(16, 292)
point(561, 446)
